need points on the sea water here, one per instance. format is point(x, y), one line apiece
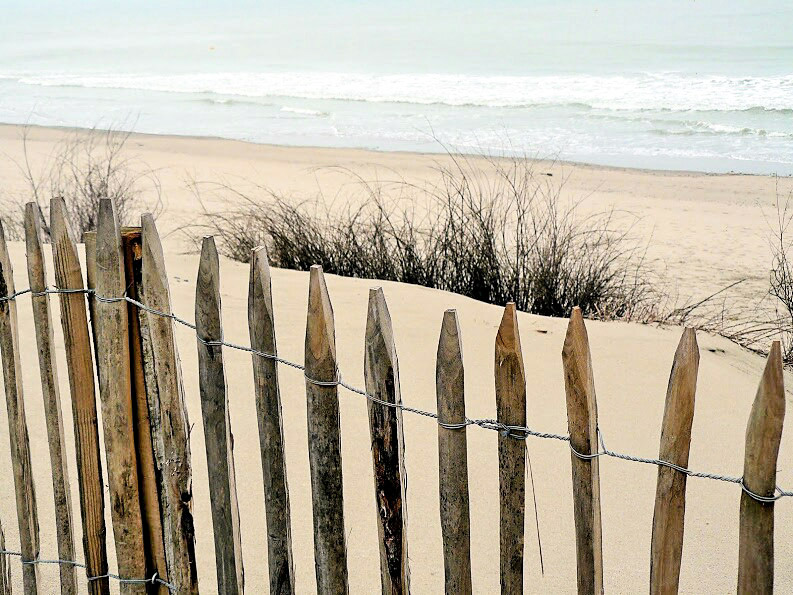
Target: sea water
point(680, 84)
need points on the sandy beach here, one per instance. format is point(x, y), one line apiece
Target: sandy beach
point(705, 231)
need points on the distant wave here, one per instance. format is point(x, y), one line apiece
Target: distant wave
point(651, 91)
point(303, 111)
point(710, 128)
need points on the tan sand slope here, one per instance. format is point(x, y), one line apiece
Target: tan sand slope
point(631, 366)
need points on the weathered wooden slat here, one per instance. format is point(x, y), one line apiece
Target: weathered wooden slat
point(763, 434)
point(112, 343)
point(217, 424)
point(510, 378)
point(271, 433)
point(324, 440)
point(381, 373)
point(132, 251)
point(24, 489)
point(170, 427)
point(83, 397)
point(453, 458)
point(582, 425)
point(5, 568)
point(89, 239)
point(42, 319)
point(670, 494)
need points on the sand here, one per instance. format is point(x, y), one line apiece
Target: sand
point(703, 224)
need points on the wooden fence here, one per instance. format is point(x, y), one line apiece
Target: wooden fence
point(147, 447)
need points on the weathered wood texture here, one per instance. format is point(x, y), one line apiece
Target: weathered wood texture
point(170, 427)
point(83, 397)
point(112, 342)
point(763, 434)
point(5, 567)
point(381, 373)
point(89, 239)
point(24, 490)
point(582, 425)
point(324, 440)
point(132, 250)
point(261, 325)
point(42, 320)
point(670, 493)
point(217, 424)
point(453, 458)
point(510, 378)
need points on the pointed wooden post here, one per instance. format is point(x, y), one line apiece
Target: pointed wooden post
point(324, 440)
point(670, 493)
point(381, 372)
point(763, 434)
point(511, 410)
point(271, 433)
point(582, 424)
point(170, 427)
point(42, 319)
point(80, 366)
point(453, 458)
point(217, 423)
point(24, 489)
point(115, 390)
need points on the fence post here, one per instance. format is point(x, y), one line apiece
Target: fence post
point(112, 342)
point(168, 416)
point(582, 425)
point(5, 568)
point(217, 424)
point(670, 494)
point(381, 373)
point(324, 440)
point(453, 458)
point(42, 319)
point(510, 380)
point(261, 326)
point(763, 434)
point(80, 366)
point(24, 489)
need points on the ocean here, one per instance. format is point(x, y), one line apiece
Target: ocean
point(694, 85)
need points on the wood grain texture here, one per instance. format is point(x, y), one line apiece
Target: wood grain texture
point(670, 495)
point(324, 441)
point(510, 379)
point(381, 373)
point(148, 484)
point(48, 371)
point(763, 434)
point(170, 427)
point(5, 567)
point(217, 424)
point(24, 489)
point(582, 424)
point(115, 390)
point(80, 366)
point(453, 458)
point(261, 326)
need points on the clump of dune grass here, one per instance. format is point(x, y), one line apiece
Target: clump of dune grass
point(492, 229)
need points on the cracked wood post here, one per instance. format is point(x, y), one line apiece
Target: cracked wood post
point(80, 366)
point(42, 319)
point(168, 416)
point(510, 379)
point(324, 440)
point(453, 458)
point(271, 433)
point(24, 489)
point(763, 434)
point(217, 424)
point(670, 494)
point(381, 373)
point(582, 424)
point(115, 389)
point(153, 542)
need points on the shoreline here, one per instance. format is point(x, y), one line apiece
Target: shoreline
point(423, 154)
